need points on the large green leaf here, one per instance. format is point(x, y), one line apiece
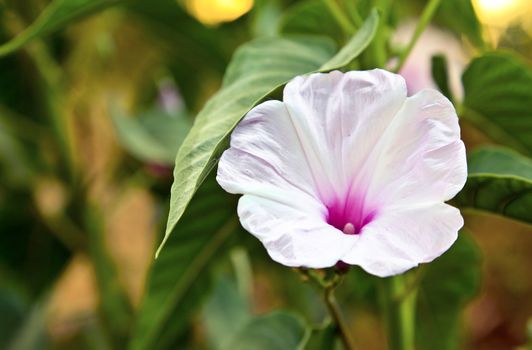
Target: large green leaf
point(257, 69)
point(500, 182)
point(448, 283)
point(324, 337)
point(229, 323)
point(459, 16)
point(355, 45)
point(498, 99)
point(179, 278)
point(310, 17)
point(500, 161)
point(264, 17)
point(275, 331)
point(54, 17)
point(225, 313)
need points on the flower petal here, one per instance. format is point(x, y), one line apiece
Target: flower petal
point(343, 115)
point(399, 240)
point(293, 237)
point(266, 158)
point(420, 158)
point(267, 163)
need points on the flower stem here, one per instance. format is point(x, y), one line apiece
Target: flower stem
point(424, 20)
point(328, 285)
point(399, 312)
point(336, 315)
point(340, 17)
point(378, 46)
point(51, 82)
point(351, 7)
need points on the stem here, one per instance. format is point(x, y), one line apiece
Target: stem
point(334, 311)
point(424, 20)
point(353, 13)
point(399, 312)
point(340, 17)
point(66, 232)
point(51, 83)
point(378, 47)
point(411, 284)
point(328, 286)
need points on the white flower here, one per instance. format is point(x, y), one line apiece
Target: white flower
point(347, 168)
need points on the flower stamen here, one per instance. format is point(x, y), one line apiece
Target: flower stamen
point(349, 229)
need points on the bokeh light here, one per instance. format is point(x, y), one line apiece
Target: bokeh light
point(212, 12)
point(497, 15)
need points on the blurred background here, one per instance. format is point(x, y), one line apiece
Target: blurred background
point(91, 117)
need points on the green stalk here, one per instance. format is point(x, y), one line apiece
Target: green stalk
point(352, 10)
point(424, 20)
point(378, 47)
point(50, 80)
point(399, 312)
point(327, 286)
point(115, 309)
point(336, 315)
point(344, 22)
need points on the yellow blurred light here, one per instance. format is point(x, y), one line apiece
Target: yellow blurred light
point(495, 5)
point(216, 11)
point(500, 13)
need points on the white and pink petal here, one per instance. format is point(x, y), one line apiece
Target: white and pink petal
point(401, 239)
point(343, 116)
point(420, 158)
point(293, 237)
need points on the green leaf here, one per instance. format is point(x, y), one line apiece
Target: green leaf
point(459, 16)
point(179, 278)
point(264, 17)
point(257, 69)
point(32, 333)
point(275, 331)
point(154, 136)
point(324, 337)
point(499, 161)
point(498, 99)
point(500, 182)
point(448, 284)
point(355, 45)
point(13, 308)
point(225, 313)
point(441, 76)
point(310, 17)
point(229, 323)
point(58, 14)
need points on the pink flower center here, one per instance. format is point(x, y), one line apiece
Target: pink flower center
point(350, 214)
